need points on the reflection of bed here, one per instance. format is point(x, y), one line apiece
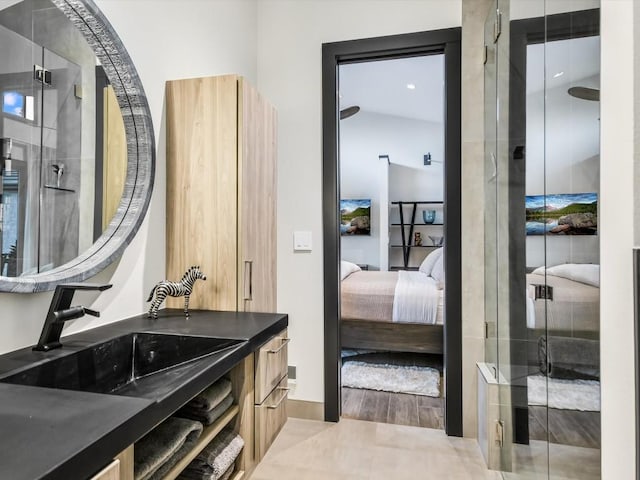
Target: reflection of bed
point(565, 328)
point(395, 311)
point(574, 310)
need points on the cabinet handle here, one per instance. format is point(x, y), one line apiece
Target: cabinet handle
point(277, 404)
point(284, 343)
point(248, 280)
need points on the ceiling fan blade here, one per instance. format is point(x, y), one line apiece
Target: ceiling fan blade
point(349, 112)
point(585, 93)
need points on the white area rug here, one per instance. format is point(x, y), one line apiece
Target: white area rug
point(391, 378)
point(583, 395)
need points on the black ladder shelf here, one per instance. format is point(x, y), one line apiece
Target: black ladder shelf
point(406, 242)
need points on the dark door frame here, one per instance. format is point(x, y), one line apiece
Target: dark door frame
point(447, 41)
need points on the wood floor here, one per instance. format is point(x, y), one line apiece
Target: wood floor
point(566, 427)
point(395, 408)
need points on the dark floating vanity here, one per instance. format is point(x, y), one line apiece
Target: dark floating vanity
point(68, 413)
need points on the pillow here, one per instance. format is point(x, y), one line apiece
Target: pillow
point(438, 272)
point(427, 264)
point(347, 268)
point(588, 273)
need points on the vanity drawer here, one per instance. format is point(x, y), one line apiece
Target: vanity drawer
point(270, 417)
point(271, 365)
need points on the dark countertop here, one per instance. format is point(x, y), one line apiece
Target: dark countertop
point(63, 434)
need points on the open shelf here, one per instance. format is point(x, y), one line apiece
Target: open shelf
point(208, 434)
point(405, 220)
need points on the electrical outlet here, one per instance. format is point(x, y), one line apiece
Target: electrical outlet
point(291, 372)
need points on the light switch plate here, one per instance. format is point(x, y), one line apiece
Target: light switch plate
point(301, 241)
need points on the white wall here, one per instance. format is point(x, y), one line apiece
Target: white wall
point(617, 214)
point(166, 40)
point(290, 37)
point(362, 138)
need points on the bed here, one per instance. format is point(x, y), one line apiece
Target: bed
point(399, 311)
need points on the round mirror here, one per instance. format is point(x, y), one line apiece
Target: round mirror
point(77, 159)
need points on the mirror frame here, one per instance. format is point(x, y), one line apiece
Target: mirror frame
point(134, 203)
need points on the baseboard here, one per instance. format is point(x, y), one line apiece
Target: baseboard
point(305, 409)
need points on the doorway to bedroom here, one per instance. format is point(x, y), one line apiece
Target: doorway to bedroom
point(391, 183)
point(391, 179)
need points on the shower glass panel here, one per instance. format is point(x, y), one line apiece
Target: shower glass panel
point(490, 231)
point(47, 129)
point(20, 137)
point(541, 235)
point(569, 347)
point(62, 168)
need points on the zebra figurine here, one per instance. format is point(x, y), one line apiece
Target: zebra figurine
point(174, 289)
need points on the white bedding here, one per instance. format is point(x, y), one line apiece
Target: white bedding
point(416, 297)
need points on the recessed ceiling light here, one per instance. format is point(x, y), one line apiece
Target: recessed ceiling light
point(411, 86)
point(559, 74)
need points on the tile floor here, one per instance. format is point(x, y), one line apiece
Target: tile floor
point(355, 449)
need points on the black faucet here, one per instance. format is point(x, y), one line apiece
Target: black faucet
point(61, 310)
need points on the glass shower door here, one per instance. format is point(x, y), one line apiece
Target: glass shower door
point(542, 249)
point(20, 136)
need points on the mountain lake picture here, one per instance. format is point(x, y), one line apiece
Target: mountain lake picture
point(354, 217)
point(562, 214)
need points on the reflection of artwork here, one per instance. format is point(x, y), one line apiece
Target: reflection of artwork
point(562, 214)
point(355, 216)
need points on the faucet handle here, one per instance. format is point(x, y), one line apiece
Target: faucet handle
point(84, 286)
point(93, 313)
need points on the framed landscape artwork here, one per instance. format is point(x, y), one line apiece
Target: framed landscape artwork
point(355, 217)
point(562, 214)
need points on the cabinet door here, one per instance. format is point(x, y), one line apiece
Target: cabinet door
point(202, 182)
point(257, 169)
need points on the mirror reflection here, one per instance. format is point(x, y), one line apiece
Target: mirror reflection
point(64, 157)
point(542, 80)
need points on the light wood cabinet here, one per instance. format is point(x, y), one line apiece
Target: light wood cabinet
point(271, 392)
point(221, 192)
point(121, 468)
point(110, 472)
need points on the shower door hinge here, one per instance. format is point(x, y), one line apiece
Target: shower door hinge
point(486, 329)
point(42, 75)
point(499, 433)
point(542, 291)
point(497, 26)
point(485, 55)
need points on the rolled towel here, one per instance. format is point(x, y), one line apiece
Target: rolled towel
point(212, 396)
point(216, 458)
point(569, 357)
point(155, 448)
point(207, 417)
